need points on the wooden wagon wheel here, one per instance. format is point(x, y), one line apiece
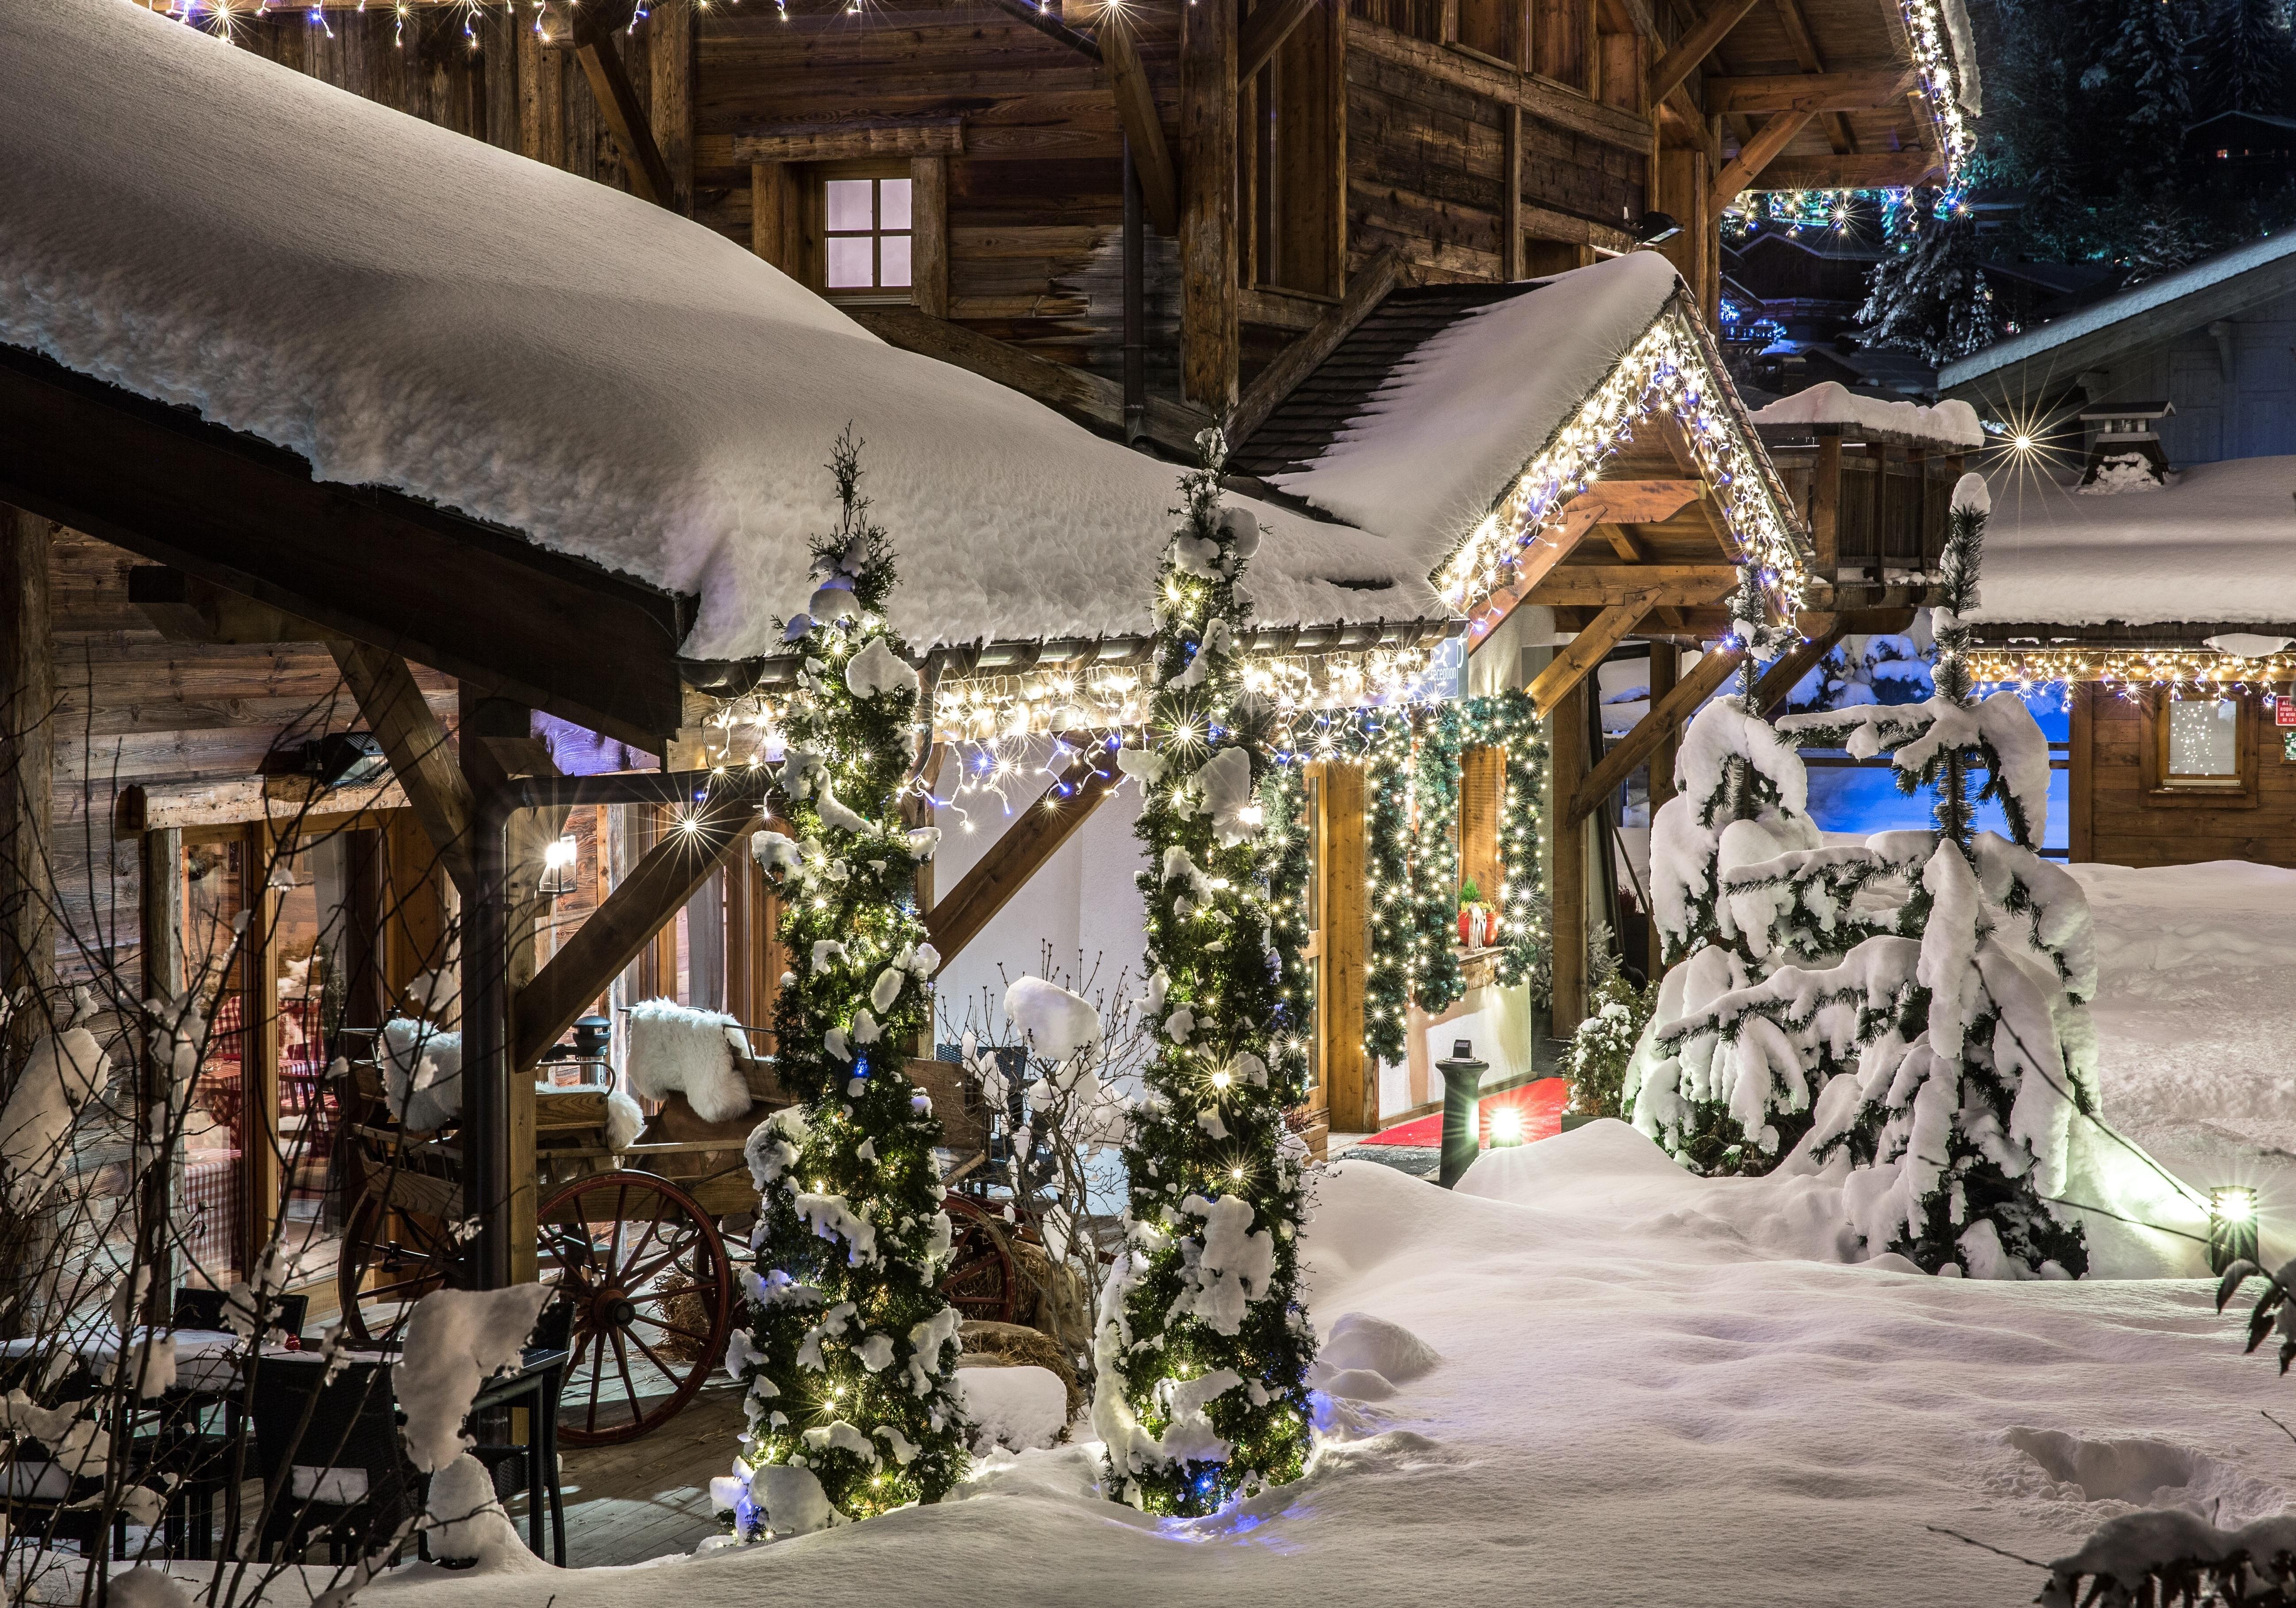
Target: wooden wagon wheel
point(379, 1277)
point(979, 1282)
point(653, 1297)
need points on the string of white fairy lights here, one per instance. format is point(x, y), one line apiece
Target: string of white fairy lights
point(1671, 370)
point(2131, 671)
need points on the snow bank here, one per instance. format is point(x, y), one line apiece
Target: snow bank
point(1018, 1407)
point(408, 307)
point(675, 1049)
point(1437, 445)
point(1950, 426)
point(455, 1340)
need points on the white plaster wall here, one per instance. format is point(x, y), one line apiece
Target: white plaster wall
point(1082, 901)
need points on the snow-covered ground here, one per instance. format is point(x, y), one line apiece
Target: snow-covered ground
point(1649, 1392)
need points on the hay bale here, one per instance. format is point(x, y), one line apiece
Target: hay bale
point(993, 1345)
point(1052, 1296)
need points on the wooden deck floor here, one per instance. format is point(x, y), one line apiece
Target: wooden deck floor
point(627, 1504)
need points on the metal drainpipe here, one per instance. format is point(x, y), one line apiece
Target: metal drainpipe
point(489, 1165)
point(1136, 317)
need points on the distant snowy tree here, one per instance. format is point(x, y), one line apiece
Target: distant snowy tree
point(1928, 293)
point(2148, 60)
point(2245, 56)
point(1948, 972)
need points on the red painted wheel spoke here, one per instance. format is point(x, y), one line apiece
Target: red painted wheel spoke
point(629, 1386)
point(668, 1372)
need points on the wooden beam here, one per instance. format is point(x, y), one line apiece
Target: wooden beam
point(404, 723)
point(1599, 585)
point(1691, 124)
point(1093, 397)
point(1796, 662)
point(27, 703)
point(1876, 170)
point(1546, 550)
point(1135, 110)
point(776, 231)
point(1567, 749)
point(1265, 31)
point(646, 901)
point(1544, 99)
point(174, 806)
point(851, 141)
point(1586, 650)
point(1696, 44)
point(183, 608)
point(1807, 91)
point(1511, 264)
point(475, 601)
point(592, 33)
point(1630, 501)
point(1367, 287)
point(674, 63)
point(960, 916)
point(1210, 351)
point(1649, 733)
point(929, 235)
point(1805, 49)
point(1756, 154)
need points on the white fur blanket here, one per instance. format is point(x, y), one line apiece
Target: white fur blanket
point(421, 1072)
point(677, 1050)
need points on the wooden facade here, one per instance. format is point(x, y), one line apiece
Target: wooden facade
point(2127, 811)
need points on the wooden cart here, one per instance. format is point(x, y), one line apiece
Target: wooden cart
point(635, 1236)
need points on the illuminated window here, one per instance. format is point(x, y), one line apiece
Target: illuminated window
point(865, 234)
point(2203, 740)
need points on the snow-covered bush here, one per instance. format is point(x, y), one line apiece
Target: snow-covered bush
point(1204, 1342)
point(1595, 1065)
point(2163, 1557)
point(1948, 971)
point(851, 1348)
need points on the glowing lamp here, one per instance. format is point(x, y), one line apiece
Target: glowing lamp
point(558, 869)
point(2232, 1226)
point(1505, 1126)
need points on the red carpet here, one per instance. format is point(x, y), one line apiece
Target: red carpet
point(1540, 1103)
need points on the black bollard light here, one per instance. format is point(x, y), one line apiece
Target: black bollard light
point(1463, 1084)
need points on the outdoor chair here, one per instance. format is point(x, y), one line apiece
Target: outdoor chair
point(338, 1472)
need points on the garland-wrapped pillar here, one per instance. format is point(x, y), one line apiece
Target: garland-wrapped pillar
point(850, 1349)
point(1203, 1343)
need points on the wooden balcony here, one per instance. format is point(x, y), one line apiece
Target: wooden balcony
point(1887, 505)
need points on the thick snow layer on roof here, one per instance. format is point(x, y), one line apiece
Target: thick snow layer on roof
point(1948, 427)
point(2216, 543)
point(1462, 415)
point(408, 307)
point(2128, 304)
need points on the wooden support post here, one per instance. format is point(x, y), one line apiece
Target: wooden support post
point(2081, 780)
point(775, 228)
point(1570, 668)
point(1135, 110)
point(673, 61)
point(415, 743)
point(1265, 31)
point(959, 917)
point(27, 699)
point(1210, 352)
point(1665, 666)
point(1511, 266)
point(160, 927)
point(260, 1170)
point(929, 242)
point(1343, 921)
point(1567, 744)
point(1825, 502)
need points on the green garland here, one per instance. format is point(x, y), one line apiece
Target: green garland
point(1204, 1345)
point(1414, 759)
point(850, 1349)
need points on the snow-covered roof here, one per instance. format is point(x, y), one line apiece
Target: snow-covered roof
point(408, 307)
point(2141, 306)
point(2217, 544)
point(1456, 419)
point(1948, 427)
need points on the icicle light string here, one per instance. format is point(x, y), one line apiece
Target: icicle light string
point(1668, 371)
point(2131, 670)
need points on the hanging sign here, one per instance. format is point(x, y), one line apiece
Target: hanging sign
point(2284, 710)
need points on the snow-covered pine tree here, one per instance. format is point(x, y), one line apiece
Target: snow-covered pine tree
point(1948, 971)
point(2245, 55)
point(1203, 1344)
point(2149, 60)
point(1928, 294)
point(851, 1348)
